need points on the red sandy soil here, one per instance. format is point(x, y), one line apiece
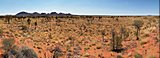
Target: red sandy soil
point(38, 40)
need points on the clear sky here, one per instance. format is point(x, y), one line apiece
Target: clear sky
point(82, 7)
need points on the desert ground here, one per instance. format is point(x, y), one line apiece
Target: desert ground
point(82, 36)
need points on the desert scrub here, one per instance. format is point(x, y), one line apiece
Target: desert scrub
point(7, 44)
point(24, 28)
point(151, 56)
point(86, 48)
point(137, 55)
point(119, 56)
point(29, 21)
point(98, 47)
point(26, 52)
point(12, 50)
point(57, 52)
point(9, 48)
point(86, 55)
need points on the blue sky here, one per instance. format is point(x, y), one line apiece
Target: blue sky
point(82, 7)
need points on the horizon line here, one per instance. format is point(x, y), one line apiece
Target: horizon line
point(85, 14)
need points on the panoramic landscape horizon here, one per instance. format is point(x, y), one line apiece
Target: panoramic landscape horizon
point(82, 7)
point(79, 29)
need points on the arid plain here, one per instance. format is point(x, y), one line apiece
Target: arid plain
point(82, 36)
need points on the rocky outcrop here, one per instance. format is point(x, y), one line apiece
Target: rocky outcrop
point(41, 14)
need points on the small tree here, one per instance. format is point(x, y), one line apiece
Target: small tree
point(138, 24)
point(117, 39)
point(35, 23)
point(29, 21)
point(1, 31)
point(113, 39)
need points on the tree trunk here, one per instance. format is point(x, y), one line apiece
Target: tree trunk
point(137, 34)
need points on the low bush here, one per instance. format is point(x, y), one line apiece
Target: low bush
point(137, 55)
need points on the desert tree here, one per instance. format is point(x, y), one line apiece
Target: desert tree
point(100, 17)
point(113, 39)
point(56, 17)
point(29, 21)
point(8, 18)
point(124, 33)
point(138, 24)
point(117, 38)
point(103, 32)
point(1, 32)
point(35, 24)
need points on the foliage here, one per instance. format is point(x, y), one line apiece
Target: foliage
point(137, 55)
point(57, 52)
point(118, 38)
point(12, 50)
point(29, 21)
point(35, 23)
point(28, 53)
point(138, 24)
point(8, 44)
point(23, 27)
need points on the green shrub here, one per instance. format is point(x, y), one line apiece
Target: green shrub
point(137, 55)
point(24, 28)
point(57, 52)
point(12, 50)
point(8, 44)
point(9, 48)
point(27, 53)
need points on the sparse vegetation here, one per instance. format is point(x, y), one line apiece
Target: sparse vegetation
point(119, 56)
point(29, 21)
point(79, 37)
point(28, 53)
point(137, 55)
point(57, 52)
point(24, 28)
point(11, 50)
point(116, 42)
point(8, 44)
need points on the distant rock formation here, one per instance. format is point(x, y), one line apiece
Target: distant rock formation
point(41, 14)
